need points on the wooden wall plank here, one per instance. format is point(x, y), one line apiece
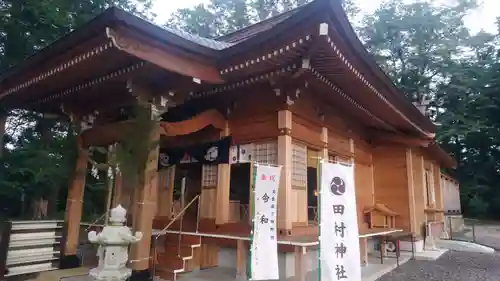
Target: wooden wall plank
point(390, 182)
point(419, 190)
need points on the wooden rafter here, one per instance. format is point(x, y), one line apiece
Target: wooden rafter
point(131, 43)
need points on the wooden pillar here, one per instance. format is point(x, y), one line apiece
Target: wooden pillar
point(324, 140)
point(411, 193)
point(223, 185)
point(74, 205)
point(145, 206)
point(351, 150)
point(3, 123)
point(438, 190)
point(118, 189)
point(300, 260)
point(285, 160)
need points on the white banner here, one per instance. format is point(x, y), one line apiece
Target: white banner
point(264, 248)
point(339, 237)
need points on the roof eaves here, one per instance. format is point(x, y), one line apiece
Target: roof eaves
point(423, 122)
point(183, 40)
point(61, 44)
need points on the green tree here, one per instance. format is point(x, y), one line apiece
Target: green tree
point(220, 17)
point(416, 44)
point(430, 55)
point(26, 27)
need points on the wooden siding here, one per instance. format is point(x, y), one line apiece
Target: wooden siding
point(451, 195)
point(391, 182)
point(254, 117)
point(418, 170)
point(363, 180)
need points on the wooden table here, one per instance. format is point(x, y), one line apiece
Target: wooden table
point(373, 232)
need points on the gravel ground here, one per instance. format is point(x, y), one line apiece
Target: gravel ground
point(452, 266)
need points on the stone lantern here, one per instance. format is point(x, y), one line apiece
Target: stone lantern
point(112, 252)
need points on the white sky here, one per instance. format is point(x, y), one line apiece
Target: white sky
point(482, 18)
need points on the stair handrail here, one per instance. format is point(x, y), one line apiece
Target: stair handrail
point(164, 230)
point(94, 223)
point(181, 212)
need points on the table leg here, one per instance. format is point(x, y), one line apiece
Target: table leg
point(241, 260)
point(300, 271)
point(398, 251)
point(412, 240)
point(363, 246)
point(382, 249)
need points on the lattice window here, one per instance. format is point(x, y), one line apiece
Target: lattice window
point(299, 164)
point(164, 176)
point(332, 158)
point(209, 173)
point(266, 153)
point(339, 159)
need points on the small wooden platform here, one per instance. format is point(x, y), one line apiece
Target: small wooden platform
point(57, 275)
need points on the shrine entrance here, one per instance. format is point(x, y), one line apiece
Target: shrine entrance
point(187, 185)
point(239, 192)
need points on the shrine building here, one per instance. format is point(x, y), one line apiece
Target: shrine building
point(286, 91)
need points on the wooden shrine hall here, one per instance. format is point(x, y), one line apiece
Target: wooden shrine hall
point(286, 91)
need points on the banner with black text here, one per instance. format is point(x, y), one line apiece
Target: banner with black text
point(339, 235)
point(264, 239)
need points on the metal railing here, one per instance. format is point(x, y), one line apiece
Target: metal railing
point(482, 232)
point(83, 247)
point(94, 223)
point(164, 230)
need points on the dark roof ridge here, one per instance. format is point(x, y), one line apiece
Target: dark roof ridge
point(227, 37)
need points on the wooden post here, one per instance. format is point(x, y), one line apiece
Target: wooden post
point(285, 160)
point(324, 140)
point(223, 186)
point(74, 205)
point(363, 247)
point(241, 260)
point(144, 211)
point(438, 190)
point(300, 270)
point(411, 192)
point(118, 189)
point(3, 122)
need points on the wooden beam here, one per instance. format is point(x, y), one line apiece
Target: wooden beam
point(163, 56)
point(106, 134)
point(382, 138)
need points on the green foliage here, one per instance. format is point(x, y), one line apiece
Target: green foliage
point(134, 152)
point(429, 53)
point(29, 25)
point(416, 44)
point(221, 17)
point(40, 155)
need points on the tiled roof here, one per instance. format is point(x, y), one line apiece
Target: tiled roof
point(254, 29)
point(205, 42)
